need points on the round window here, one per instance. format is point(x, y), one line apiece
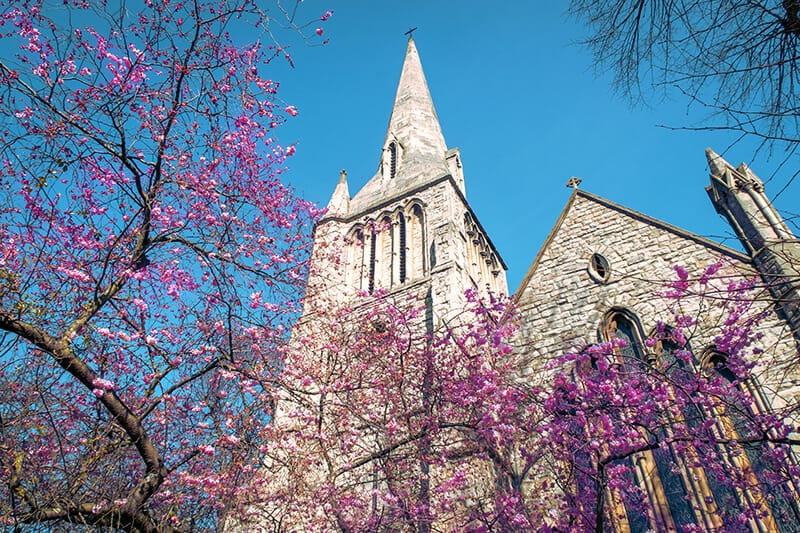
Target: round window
point(599, 269)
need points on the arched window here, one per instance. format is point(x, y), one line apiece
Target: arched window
point(372, 258)
point(738, 412)
point(692, 472)
point(356, 258)
point(392, 159)
point(401, 223)
point(387, 242)
point(417, 264)
point(665, 486)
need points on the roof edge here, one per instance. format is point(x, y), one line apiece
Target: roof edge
point(550, 236)
point(631, 213)
point(666, 226)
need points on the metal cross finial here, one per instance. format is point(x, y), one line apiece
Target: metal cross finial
point(410, 32)
point(573, 182)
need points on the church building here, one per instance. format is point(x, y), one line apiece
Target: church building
point(410, 230)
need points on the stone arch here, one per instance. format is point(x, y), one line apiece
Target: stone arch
point(385, 257)
point(391, 158)
point(356, 257)
point(416, 242)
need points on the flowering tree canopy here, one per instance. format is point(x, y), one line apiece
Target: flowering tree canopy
point(655, 431)
point(386, 423)
point(150, 258)
point(383, 424)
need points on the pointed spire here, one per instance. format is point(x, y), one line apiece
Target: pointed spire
point(717, 164)
point(734, 176)
point(339, 203)
point(414, 151)
point(413, 121)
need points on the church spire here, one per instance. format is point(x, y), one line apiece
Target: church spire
point(414, 152)
point(717, 164)
point(413, 122)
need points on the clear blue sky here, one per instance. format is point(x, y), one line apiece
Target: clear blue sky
point(524, 104)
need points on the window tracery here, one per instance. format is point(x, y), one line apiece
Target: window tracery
point(738, 414)
point(666, 488)
point(674, 475)
point(388, 252)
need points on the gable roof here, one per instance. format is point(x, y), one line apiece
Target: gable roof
point(632, 213)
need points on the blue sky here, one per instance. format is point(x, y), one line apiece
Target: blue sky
point(524, 104)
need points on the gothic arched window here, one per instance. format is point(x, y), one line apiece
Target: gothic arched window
point(356, 258)
point(392, 159)
point(666, 487)
point(738, 412)
point(417, 264)
point(401, 225)
point(385, 260)
point(372, 259)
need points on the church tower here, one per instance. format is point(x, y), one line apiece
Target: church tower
point(738, 194)
point(409, 230)
point(406, 241)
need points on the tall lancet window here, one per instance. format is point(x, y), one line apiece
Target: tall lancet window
point(392, 159)
point(386, 253)
point(401, 223)
point(417, 263)
point(354, 266)
point(372, 252)
point(768, 486)
point(665, 487)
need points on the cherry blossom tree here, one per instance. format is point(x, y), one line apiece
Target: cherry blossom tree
point(385, 422)
point(150, 258)
point(655, 431)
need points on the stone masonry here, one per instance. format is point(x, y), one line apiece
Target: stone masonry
point(410, 233)
point(562, 305)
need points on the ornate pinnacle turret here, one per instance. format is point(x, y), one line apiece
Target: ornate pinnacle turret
point(717, 164)
point(740, 176)
point(339, 203)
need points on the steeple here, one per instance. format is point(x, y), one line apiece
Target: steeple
point(413, 122)
point(738, 194)
point(716, 163)
point(414, 151)
point(410, 226)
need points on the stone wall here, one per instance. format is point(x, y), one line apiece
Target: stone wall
point(562, 305)
point(448, 265)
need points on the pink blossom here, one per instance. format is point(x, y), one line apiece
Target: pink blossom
point(255, 300)
point(206, 449)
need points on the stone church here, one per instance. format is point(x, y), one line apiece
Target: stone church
point(411, 230)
